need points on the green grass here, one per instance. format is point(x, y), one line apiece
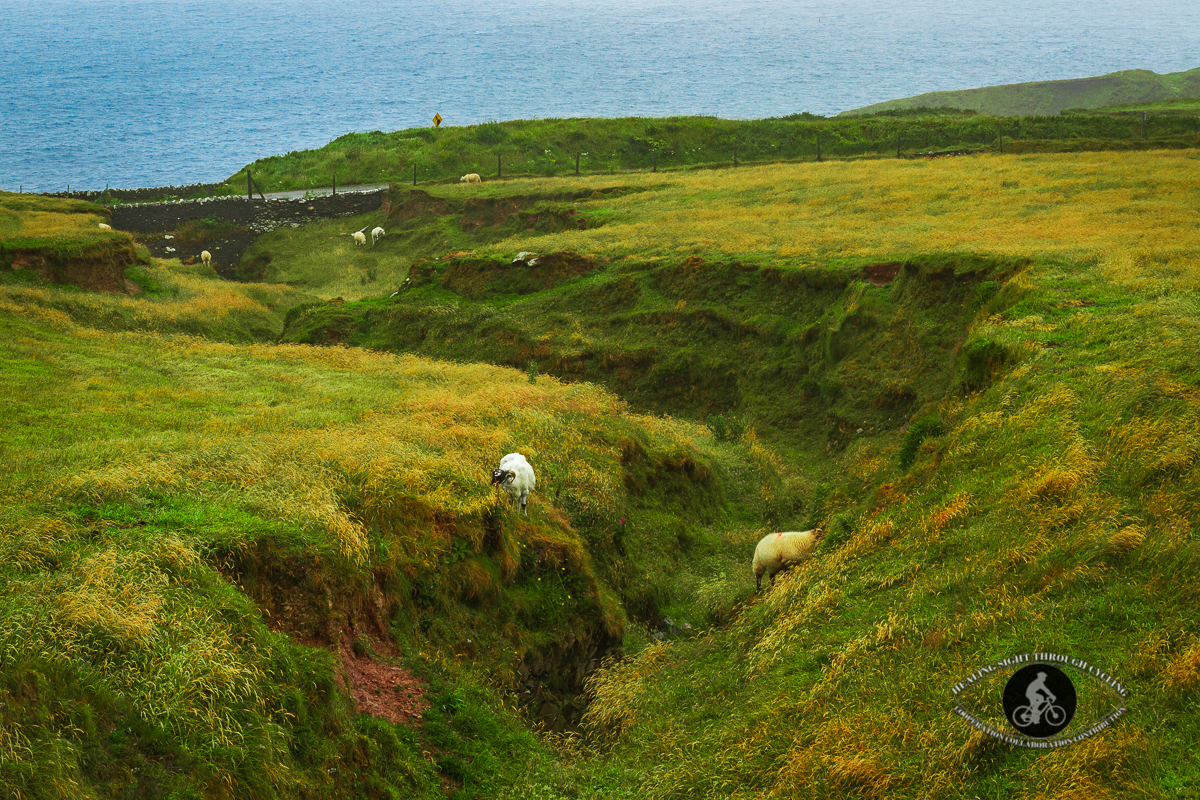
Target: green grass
point(171, 517)
point(998, 442)
point(1053, 514)
point(548, 148)
point(1135, 86)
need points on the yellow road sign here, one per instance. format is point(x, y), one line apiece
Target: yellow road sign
point(437, 120)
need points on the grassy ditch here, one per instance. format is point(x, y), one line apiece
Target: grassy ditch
point(212, 551)
point(813, 358)
point(1054, 511)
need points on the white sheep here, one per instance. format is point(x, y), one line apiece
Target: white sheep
point(206, 257)
point(471, 177)
point(375, 234)
point(778, 551)
point(104, 226)
point(359, 237)
point(516, 477)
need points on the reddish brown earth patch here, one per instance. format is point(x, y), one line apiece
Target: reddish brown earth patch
point(882, 274)
point(382, 690)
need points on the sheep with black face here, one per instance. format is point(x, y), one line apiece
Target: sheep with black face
point(516, 477)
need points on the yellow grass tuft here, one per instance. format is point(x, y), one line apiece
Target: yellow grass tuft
point(957, 508)
point(860, 774)
point(115, 595)
point(1182, 673)
point(618, 688)
point(1127, 538)
point(1064, 474)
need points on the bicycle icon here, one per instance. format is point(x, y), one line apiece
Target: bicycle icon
point(1027, 716)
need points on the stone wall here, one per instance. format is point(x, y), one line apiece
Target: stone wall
point(259, 215)
point(144, 195)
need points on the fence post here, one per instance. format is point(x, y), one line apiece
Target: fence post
point(654, 161)
point(335, 183)
point(735, 154)
point(249, 189)
point(577, 165)
point(414, 174)
point(1143, 124)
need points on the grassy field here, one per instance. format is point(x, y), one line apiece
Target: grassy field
point(190, 509)
point(1070, 205)
point(204, 528)
point(551, 147)
point(1178, 105)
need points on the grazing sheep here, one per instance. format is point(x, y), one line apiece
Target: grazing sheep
point(206, 257)
point(104, 226)
point(359, 237)
point(375, 234)
point(472, 177)
point(778, 551)
point(516, 477)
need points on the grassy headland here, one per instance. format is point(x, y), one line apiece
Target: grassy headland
point(548, 148)
point(1051, 97)
point(975, 374)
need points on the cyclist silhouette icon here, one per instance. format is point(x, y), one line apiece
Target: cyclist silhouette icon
point(1039, 700)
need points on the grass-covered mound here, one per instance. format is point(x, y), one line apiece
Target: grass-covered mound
point(61, 240)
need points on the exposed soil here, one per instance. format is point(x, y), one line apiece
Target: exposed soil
point(382, 690)
point(101, 268)
point(882, 274)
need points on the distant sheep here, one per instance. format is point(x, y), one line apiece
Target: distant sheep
point(359, 237)
point(375, 234)
point(516, 477)
point(206, 257)
point(778, 551)
point(472, 177)
point(104, 226)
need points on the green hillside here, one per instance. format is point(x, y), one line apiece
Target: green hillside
point(250, 549)
point(1050, 97)
point(549, 148)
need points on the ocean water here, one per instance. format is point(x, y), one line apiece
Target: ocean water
point(134, 93)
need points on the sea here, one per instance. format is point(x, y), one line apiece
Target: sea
point(132, 93)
